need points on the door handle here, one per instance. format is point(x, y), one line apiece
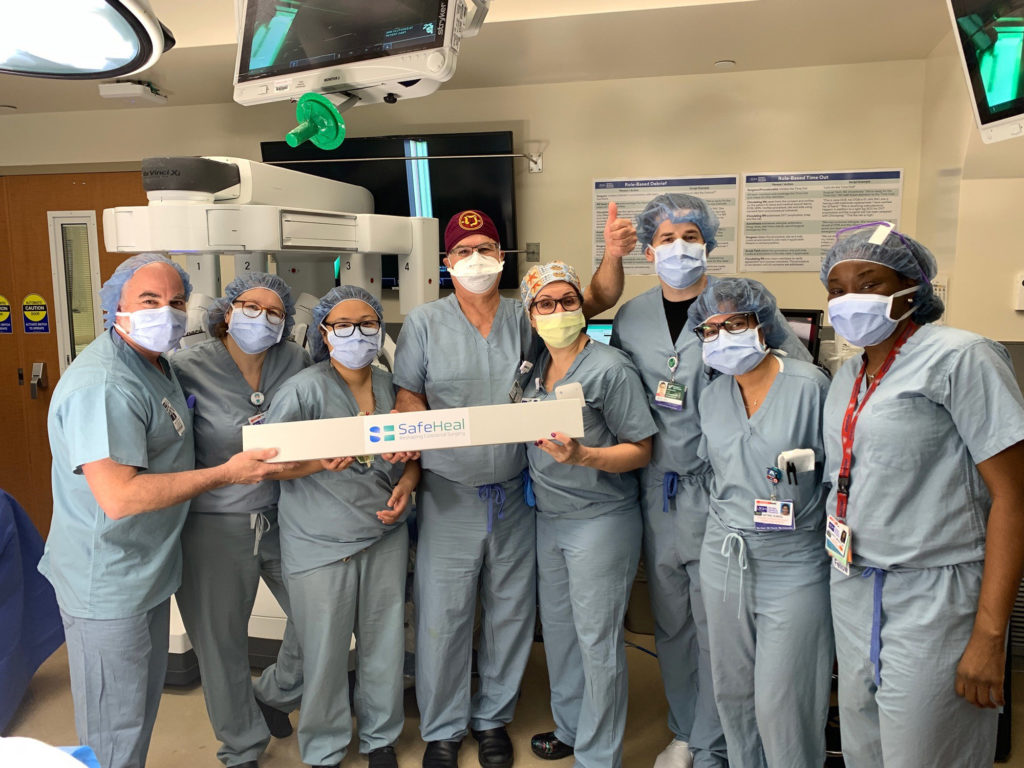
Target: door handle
point(38, 379)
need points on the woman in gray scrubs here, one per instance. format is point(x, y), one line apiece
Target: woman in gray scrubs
point(230, 539)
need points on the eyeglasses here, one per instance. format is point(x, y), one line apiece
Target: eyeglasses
point(252, 309)
point(344, 328)
point(733, 324)
point(484, 249)
point(546, 306)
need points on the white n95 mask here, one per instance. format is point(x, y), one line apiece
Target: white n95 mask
point(679, 263)
point(863, 319)
point(477, 273)
point(158, 330)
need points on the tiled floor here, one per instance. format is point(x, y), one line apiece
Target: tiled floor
point(183, 737)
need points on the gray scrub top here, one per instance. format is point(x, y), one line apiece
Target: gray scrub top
point(948, 403)
point(741, 450)
point(329, 516)
point(222, 407)
point(616, 411)
point(641, 330)
point(111, 403)
point(442, 355)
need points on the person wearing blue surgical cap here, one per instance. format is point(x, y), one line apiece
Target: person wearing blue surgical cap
point(231, 537)
point(924, 442)
point(588, 521)
point(123, 472)
point(344, 541)
point(763, 569)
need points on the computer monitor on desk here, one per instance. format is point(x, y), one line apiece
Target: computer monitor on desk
point(806, 324)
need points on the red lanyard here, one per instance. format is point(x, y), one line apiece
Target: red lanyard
point(853, 411)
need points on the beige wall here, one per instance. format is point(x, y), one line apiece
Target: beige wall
point(821, 118)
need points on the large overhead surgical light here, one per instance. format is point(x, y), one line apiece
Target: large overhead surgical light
point(79, 39)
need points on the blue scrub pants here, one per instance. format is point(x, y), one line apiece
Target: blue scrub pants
point(672, 545)
point(455, 558)
point(117, 675)
point(914, 718)
point(585, 570)
point(219, 578)
point(771, 644)
point(363, 595)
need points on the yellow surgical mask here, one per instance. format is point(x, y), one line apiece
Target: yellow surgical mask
point(560, 329)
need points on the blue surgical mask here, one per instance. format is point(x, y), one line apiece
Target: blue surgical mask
point(734, 353)
point(863, 319)
point(254, 334)
point(679, 263)
point(158, 330)
point(355, 351)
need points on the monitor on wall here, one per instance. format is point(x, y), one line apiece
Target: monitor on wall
point(990, 38)
point(433, 175)
point(806, 324)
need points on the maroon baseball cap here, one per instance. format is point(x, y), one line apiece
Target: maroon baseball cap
point(467, 223)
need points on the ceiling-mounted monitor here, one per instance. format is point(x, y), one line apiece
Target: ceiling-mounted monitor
point(383, 50)
point(990, 36)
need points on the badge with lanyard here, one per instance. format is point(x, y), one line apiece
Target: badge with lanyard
point(257, 399)
point(671, 394)
point(774, 514)
point(838, 536)
point(515, 394)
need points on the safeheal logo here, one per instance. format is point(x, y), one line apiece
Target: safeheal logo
point(415, 431)
point(385, 433)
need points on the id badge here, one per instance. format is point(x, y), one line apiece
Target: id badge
point(670, 395)
point(837, 540)
point(179, 425)
point(842, 566)
point(515, 394)
point(774, 515)
point(259, 418)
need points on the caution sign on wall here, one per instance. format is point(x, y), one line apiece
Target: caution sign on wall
point(6, 324)
point(35, 313)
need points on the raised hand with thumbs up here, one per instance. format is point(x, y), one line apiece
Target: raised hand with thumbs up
point(619, 234)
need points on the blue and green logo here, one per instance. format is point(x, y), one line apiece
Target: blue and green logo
point(385, 433)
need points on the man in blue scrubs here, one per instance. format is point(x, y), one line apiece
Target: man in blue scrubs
point(476, 532)
point(123, 472)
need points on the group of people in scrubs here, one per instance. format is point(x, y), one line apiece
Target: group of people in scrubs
point(785, 520)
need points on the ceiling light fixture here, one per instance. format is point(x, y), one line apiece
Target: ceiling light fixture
point(725, 64)
point(80, 39)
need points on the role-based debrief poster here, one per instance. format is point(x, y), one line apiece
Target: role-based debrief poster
point(790, 219)
point(631, 195)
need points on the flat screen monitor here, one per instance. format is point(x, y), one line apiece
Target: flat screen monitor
point(446, 173)
point(990, 36)
point(806, 324)
point(600, 330)
point(289, 47)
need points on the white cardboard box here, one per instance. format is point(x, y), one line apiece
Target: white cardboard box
point(417, 430)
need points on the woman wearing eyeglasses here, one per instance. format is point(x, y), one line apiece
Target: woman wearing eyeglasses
point(588, 521)
point(763, 568)
point(230, 539)
point(344, 541)
point(924, 436)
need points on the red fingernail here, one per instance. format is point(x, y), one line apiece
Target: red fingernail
point(552, 434)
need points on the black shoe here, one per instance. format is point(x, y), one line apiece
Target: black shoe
point(547, 747)
point(495, 750)
point(442, 754)
point(277, 721)
point(383, 757)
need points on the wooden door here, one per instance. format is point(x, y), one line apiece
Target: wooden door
point(25, 269)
